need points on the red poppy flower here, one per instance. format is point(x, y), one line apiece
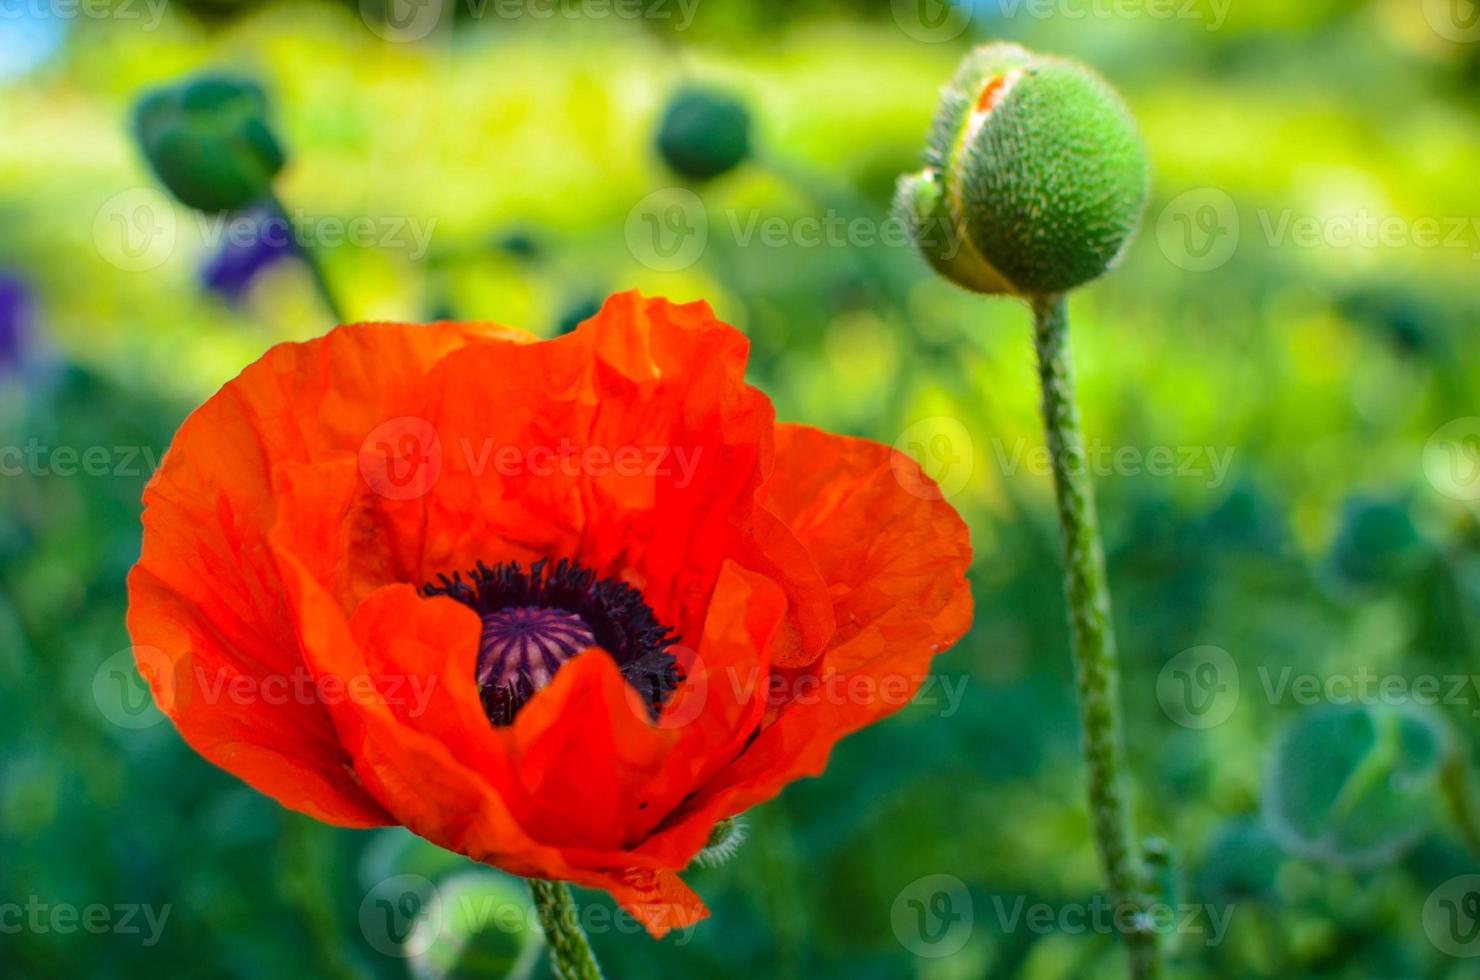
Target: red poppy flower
point(558, 605)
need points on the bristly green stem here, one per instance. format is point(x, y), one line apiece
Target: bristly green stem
point(570, 953)
point(1088, 596)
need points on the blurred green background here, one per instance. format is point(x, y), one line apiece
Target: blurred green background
point(1282, 379)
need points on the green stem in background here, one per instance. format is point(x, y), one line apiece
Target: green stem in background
point(1457, 783)
point(1097, 674)
point(839, 197)
point(570, 953)
point(308, 252)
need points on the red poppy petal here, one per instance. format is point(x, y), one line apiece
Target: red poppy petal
point(658, 899)
point(585, 754)
point(205, 599)
point(716, 710)
point(631, 444)
point(301, 507)
point(418, 778)
point(895, 561)
point(289, 751)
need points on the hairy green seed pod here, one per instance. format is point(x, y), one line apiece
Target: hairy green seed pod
point(704, 134)
point(208, 141)
point(1036, 165)
point(724, 842)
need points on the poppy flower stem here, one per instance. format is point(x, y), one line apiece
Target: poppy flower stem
point(307, 251)
point(1088, 595)
point(570, 953)
point(1457, 783)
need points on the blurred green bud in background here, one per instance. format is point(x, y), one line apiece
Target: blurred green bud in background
point(1377, 543)
point(704, 133)
point(1037, 164)
point(1356, 785)
point(208, 141)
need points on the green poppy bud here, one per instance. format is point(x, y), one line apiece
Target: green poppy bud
point(1037, 165)
point(208, 141)
point(704, 134)
point(724, 842)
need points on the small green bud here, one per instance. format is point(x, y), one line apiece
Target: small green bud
point(704, 134)
point(1038, 166)
point(208, 141)
point(724, 841)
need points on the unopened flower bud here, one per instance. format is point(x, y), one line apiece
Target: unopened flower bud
point(1036, 164)
point(724, 841)
point(704, 134)
point(208, 141)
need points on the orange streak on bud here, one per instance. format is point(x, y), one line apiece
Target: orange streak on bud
point(990, 91)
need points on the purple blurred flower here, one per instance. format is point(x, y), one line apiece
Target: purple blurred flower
point(15, 322)
point(253, 241)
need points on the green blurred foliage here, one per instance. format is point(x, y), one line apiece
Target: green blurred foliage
point(1295, 383)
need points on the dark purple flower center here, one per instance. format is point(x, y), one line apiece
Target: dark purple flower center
point(535, 620)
